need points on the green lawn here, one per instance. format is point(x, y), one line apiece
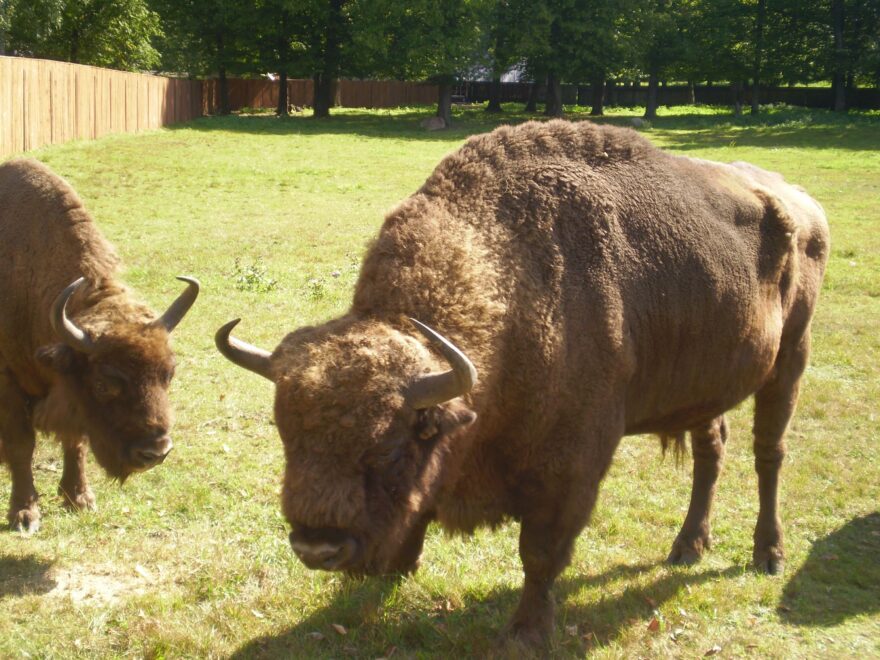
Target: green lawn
point(192, 560)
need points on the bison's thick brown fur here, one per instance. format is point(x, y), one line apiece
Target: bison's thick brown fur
point(114, 395)
point(601, 287)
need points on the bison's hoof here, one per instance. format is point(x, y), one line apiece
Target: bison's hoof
point(688, 551)
point(770, 561)
point(26, 519)
point(532, 625)
point(528, 634)
point(83, 500)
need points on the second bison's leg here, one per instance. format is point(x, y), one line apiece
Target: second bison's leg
point(18, 446)
point(74, 487)
point(774, 406)
point(707, 446)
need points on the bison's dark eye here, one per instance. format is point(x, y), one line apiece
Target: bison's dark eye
point(106, 388)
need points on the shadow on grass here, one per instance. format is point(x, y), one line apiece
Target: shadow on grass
point(686, 130)
point(473, 627)
point(24, 576)
point(840, 579)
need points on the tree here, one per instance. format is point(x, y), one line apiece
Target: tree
point(327, 40)
point(508, 28)
point(208, 37)
point(426, 40)
point(108, 33)
point(279, 43)
point(661, 27)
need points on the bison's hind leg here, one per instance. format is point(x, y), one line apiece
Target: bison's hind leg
point(707, 446)
point(74, 487)
point(774, 405)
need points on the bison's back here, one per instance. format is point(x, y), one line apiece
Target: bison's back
point(678, 274)
point(47, 240)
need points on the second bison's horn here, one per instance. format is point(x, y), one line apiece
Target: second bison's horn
point(433, 389)
point(243, 354)
point(67, 330)
point(178, 309)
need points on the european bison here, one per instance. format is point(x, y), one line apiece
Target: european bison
point(601, 288)
point(84, 361)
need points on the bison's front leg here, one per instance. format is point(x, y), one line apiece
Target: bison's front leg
point(74, 486)
point(18, 445)
point(558, 513)
point(707, 446)
point(545, 547)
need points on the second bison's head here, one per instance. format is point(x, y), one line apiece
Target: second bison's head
point(368, 415)
point(111, 381)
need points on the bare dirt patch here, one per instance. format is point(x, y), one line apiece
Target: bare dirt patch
point(98, 585)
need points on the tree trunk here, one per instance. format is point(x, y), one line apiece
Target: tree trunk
point(495, 96)
point(737, 98)
point(692, 93)
point(444, 101)
point(325, 80)
point(325, 89)
point(759, 56)
point(223, 84)
point(582, 95)
point(553, 107)
point(651, 105)
point(598, 86)
point(838, 82)
point(534, 92)
point(281, 110)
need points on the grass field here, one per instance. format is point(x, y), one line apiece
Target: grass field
point(192, 560)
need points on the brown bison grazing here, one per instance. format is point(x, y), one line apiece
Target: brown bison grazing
point(600, 288)
point(81, 360)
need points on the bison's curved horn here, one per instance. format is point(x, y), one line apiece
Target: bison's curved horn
point(178, 309)
point(243, 354)
point(432, 389)
point(67, 330)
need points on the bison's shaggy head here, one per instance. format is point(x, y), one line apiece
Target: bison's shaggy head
point(368, 415)
point(113, 386)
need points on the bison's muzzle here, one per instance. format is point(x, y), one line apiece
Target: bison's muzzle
point(151, 453)
point(327, 549)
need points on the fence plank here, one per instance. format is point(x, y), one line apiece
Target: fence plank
point(45, 102)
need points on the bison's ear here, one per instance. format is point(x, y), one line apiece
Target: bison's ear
point(446, 420)
point(58, 357)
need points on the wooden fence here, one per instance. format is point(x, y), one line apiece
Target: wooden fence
point(349, 94)
point(637, 95)
point(45, 102)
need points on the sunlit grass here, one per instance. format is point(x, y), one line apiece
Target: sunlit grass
point(192, 559)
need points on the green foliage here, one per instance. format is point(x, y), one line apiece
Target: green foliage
point(252, 277)
point(207, 37)
point(425, 39)
point(110, 33)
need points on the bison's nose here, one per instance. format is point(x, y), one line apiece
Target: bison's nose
point(327, 555)
point(150, 454)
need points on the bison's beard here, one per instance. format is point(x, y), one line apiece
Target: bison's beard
point(108, 454)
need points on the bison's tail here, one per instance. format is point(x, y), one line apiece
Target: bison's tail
point(679, 446)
